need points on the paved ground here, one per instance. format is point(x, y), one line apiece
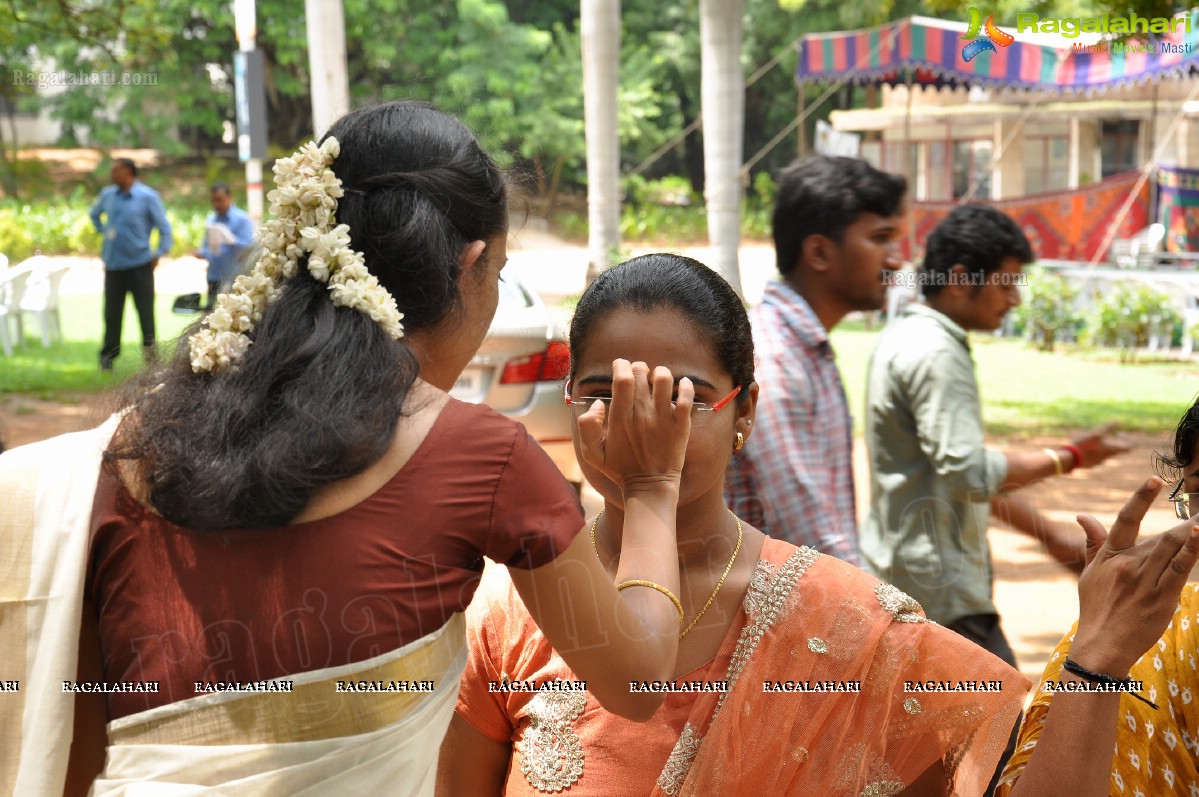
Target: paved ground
point(1036, 597)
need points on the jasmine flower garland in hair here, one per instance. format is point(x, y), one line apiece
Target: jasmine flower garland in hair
point(304, 208)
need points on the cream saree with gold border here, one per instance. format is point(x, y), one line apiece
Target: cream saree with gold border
point(46, 494)
point(309, 741)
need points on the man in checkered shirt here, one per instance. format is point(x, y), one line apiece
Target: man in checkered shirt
point(836, 226)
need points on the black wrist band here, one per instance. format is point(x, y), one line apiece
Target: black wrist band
point(1074, 667)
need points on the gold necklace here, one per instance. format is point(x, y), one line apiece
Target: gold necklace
point(719, 584)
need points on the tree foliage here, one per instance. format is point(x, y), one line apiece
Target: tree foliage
point(510, 68)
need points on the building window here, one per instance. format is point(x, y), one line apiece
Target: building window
point(940, 178)
point(1046, 164)
point(972, 165)
point(1119, 146)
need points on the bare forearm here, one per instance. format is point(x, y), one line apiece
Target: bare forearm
point(649, 552)
point(471, 763)
point(608, 637)
point(1026, 467)
point(1068, 548)
point(1075, 747)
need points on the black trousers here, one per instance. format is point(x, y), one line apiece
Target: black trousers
point(140, 282)
point(984, 631)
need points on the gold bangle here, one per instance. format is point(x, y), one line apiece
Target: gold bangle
point(1057, 461)
point(637, 582)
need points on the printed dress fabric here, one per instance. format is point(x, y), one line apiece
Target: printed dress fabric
point(806, 617)
point(1156, 751)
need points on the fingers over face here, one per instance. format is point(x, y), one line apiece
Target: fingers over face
point(663, 388)
point(1124, 531)
point(591, 433)
point(624, 384)
point(686, 394)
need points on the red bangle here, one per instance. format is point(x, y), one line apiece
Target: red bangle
point(1074, 452)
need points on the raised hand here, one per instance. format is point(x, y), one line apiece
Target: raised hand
point(641, 440)
point(1129, 590)
point(1098, 445)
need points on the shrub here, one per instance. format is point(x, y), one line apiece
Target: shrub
point(63, 228)
point(1131, 314)
point(15, 240)
point(1047, 312)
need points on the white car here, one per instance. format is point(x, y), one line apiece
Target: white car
point(520, 370)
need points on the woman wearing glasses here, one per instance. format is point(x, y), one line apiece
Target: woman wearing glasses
point(1144, 741)
point(796, 673)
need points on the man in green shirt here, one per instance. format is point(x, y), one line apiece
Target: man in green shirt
point(933, 479)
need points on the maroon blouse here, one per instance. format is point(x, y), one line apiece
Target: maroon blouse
point(180, 606)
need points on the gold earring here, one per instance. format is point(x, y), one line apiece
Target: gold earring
point(739, 443)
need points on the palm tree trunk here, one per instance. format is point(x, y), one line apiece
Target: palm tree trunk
point(723, 101)
point(599, 24)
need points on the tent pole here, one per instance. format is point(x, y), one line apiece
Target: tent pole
point(908, 167)
point(1152, 148)
point(801, 145)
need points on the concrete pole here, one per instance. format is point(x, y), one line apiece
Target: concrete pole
point(325, 22)
point(722, 97)
point(599, 27)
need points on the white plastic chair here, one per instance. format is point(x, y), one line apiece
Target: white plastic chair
point(12, 291)
point(41, 296)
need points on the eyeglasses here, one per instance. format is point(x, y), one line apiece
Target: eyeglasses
point(700, 412)
point(1185, 504)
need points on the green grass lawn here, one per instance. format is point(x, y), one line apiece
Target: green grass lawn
point(73, 366)
point(1025, 391)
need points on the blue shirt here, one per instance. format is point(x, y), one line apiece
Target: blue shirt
point(128, 219)
point(223, 263)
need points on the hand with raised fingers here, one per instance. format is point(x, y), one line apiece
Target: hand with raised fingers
point(1129, 590)
point(641, 439)
point(1098, 445)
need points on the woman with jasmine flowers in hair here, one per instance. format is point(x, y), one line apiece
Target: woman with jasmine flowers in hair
point(251, 581)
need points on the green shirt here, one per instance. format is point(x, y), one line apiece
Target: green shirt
point(931, 475)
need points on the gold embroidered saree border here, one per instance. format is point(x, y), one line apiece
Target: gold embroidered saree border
point(767, 597)
point(314, 710)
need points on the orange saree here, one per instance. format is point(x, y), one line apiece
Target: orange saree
point(926, 694)
point(809, 622)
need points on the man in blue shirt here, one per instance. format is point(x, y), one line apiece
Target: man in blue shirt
point(228, 233)
point(124, 214)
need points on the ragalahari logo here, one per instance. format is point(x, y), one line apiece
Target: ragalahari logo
point(993, 36)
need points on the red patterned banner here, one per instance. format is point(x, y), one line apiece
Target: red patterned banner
point(1068, 225)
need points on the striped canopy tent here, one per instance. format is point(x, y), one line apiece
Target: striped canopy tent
point(929, 51)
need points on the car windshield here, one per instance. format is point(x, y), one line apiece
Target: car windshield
point(512, 294)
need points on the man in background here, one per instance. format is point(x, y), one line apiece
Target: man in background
point(125, 213)
point(933, 479)
point(836, 224)
point(228, 233)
